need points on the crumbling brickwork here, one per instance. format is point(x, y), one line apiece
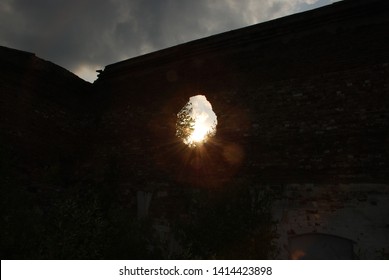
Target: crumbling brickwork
point(302, 105)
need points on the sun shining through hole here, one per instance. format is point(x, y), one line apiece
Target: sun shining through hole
point(196, 122)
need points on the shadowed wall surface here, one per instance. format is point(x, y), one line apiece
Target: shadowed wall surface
point(302, 103)
point(298, 99)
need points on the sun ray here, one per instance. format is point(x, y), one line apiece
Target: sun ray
point(196, 122)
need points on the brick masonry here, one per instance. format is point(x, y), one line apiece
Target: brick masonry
point(358, 212)
point(302, 102)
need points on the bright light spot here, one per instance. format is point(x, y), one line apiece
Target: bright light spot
point(196, 122)
point(86, 72)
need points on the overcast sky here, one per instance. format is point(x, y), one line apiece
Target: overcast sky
point(85, 35)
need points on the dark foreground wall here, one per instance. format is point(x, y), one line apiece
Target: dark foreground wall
point(302, 107)
point(41, 110)
point(299, 99)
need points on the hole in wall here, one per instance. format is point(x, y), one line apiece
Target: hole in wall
point(196, 122)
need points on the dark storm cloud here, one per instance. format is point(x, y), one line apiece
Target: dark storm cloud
point(66, 32)
point(84, 35)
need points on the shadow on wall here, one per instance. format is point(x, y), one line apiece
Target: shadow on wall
point(319, 246)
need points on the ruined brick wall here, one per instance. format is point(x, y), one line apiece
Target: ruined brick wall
point(302, 98)
point(358, 212)
point(42, 109)
point(302, 106)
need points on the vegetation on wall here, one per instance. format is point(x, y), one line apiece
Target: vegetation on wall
point(88, 219)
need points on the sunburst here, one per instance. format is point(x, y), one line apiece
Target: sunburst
point(196, 122)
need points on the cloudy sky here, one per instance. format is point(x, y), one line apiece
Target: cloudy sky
point(85, 35)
